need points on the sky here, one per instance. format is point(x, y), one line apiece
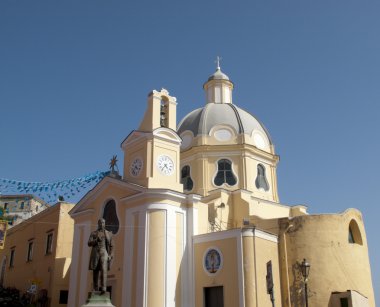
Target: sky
point(75, 75)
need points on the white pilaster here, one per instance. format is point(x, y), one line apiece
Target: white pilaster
point(85, 231)
point(171, 239)
point(73, 287)
point(128, 259)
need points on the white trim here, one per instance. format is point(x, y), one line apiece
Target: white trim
point(221, 127)
point(242, 151)
point(254, 232)
point(171, 257)
point(129, 230)
point(162, 193)
point(239, 257)
point(142, 261)
point(158, 133)
point(220, 235)
point(142, 270)
point(188, 281)
point(86, 229)
point(73, 287)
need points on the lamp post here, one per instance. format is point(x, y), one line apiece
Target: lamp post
point(305, 269)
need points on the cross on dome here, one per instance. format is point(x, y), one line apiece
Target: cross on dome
point(218, 59)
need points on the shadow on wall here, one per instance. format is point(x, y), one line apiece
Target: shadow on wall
point(297, 289)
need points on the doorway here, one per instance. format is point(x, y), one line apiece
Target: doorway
point(213, 296)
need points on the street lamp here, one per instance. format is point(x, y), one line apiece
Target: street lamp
point(305, 269)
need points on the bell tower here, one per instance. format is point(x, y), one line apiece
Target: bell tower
point(151, 153)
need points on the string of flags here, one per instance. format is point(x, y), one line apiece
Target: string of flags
point(50, 191)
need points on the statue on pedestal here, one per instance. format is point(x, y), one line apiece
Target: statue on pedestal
point(101, 256)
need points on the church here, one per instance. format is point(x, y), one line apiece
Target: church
point(197, 221)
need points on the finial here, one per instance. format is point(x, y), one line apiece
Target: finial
point(218, 59)
point(113, 163)
point(114, 169)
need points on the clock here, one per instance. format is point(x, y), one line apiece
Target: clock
point(136, 167)
point(165, 165)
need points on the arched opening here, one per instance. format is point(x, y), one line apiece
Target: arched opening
point(110, 216)
point(261, 180)
point(164, 112)
point(354, 235)
point(186, 178)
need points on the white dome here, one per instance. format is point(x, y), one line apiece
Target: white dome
point(202, 120)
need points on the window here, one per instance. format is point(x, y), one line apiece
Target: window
point(110, 216)
point(49, 243)
point(186, 179)
point(12, 258)
point(63, 296)
point(30, 251)
point(224, 174)
point(261, 180)
point(354, 236)
point(22, 206)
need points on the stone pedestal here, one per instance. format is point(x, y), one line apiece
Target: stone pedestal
point(95, 299)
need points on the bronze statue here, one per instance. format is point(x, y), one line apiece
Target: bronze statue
point(101, 255)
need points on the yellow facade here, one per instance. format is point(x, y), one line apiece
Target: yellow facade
point(196, 221)
point(34, 260)
point(199, 220)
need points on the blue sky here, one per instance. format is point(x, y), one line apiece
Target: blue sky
point(74, 76)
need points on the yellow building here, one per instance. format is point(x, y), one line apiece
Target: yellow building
point(197, 219)
point(37, 254)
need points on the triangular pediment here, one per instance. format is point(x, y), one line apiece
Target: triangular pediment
point(122, 188)
point(134, 136)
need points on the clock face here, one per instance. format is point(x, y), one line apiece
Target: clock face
point(165, 165)
point(136, 167)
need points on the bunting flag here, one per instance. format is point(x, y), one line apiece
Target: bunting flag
point(50, 191)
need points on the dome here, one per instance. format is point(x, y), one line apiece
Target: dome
point(202, 120)
point(218, 75)
point(221, 119)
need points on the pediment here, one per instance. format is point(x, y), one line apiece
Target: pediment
point(167, 135)
point(134, 136)
point(107, 188)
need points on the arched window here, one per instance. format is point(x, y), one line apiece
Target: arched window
point(225, 174)
point(164, 112)
point(110, 216)
point(186, 178)
point(354, 236)
point(261, 180)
